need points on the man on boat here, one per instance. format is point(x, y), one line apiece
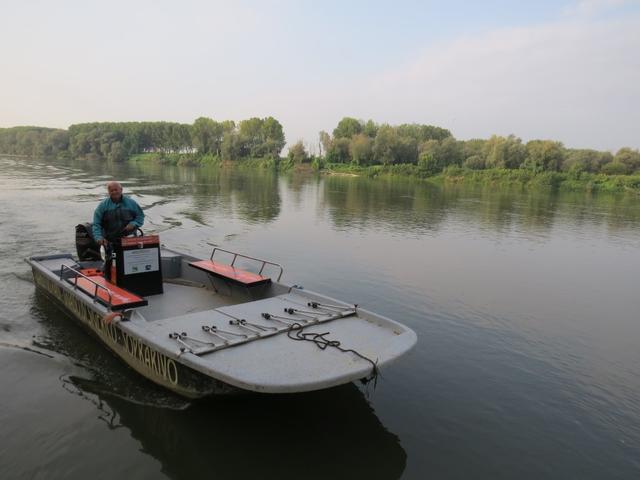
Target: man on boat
point(115, 216)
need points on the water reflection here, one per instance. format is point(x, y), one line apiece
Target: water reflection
point(394, 204)
point(252, 195)
point(399, 204)
point(411, 206)
point(333, 433)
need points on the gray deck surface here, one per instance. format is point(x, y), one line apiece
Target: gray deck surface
point(179, 300)
point(277, 363)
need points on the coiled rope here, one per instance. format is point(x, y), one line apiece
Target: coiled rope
point(295, 332)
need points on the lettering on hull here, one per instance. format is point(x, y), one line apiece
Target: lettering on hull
point(153, 363)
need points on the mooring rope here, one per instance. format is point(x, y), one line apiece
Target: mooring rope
point(295, 332)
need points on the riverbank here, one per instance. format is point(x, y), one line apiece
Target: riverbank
point(196, 160)
point(499, 178)
point(566, 181)
point(576, 181)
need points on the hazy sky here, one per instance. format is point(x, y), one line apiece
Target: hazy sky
point(564, 70)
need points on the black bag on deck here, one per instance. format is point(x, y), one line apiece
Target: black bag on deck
point(86, 246)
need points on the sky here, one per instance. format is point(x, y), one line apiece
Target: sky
point(564, 70)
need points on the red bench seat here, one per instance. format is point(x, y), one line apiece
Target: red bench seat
point(120, 298)
point(235, 275)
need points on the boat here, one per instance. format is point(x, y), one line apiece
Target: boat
point(220, 325)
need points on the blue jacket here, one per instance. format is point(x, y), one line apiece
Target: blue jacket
point(110, 218)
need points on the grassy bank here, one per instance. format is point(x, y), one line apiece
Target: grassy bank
point(567, 181)
point(195, 160)
point(499, 178)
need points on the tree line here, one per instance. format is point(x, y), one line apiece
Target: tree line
point(430, 148)
point(252, 138)
point(433, 149)
point(33, 141)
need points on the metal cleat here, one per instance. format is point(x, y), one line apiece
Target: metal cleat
point(252, 327)
point(284, 320)
point(304, 313)
point(182, 339)
point(222, 334)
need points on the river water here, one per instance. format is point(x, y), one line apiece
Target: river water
point(525, 305)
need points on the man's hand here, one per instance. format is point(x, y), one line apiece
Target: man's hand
point(130, 227)
point(103, 242)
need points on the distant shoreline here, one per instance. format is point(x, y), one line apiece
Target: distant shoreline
point(495, 177)
point(353, 148)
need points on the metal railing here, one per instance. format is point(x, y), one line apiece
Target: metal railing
point(96, 285)
point(236, 255)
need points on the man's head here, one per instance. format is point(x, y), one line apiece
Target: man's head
point(115, 191)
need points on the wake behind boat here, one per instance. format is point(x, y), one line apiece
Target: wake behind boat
point(207, 326)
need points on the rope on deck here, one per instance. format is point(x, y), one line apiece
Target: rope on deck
point(295, 332)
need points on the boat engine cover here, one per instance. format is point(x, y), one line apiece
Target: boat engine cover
point(86, 245)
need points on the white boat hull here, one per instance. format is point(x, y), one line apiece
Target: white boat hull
point(165, 340)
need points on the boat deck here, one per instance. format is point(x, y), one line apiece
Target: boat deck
point(180, 299)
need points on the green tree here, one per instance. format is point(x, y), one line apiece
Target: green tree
point(544, 155)
point(347, 128)
point(451, 151)
point(250, 137)
point(298, 153)
point(116, 152)
point(59, 141)
point(361, 149)
point(385, 145)
point(615, 168)
point(474, 146)
point(474, 162)
point(206, 135)
point(504, 152)
point(273, 137)
point(585, 160)
point(406, 150)
point(430, 132)
point(228, 126)
point(435, 155)
point(180, 138)
point(628, 157)
point(79, 144)
point(370, 129)
point(338, 151)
